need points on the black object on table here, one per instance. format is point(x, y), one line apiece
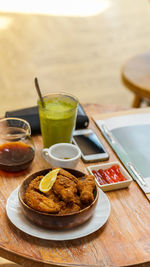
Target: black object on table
point(31, 115)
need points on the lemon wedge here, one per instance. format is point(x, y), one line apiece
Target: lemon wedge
point(48, 180)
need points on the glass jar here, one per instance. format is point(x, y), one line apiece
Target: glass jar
point(16, 145)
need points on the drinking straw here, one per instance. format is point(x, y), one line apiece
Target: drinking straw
point(39, 91)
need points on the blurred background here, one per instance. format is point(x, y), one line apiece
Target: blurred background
point(77, 46)
point(74, 46)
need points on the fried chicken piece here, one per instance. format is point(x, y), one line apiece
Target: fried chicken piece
point(65, 188)
point(86, 188)
point(40, 202)
point(51, 195)
point(34, 184)
point(69, 208)
point(68, 175)
point(77, 200)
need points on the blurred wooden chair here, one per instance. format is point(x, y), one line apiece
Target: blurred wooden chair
point(136, 77)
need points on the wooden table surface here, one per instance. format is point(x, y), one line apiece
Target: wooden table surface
point(124, 240)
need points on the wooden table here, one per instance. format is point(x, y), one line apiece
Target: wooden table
point(124, 240)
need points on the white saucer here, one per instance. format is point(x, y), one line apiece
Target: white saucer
point(99, 218)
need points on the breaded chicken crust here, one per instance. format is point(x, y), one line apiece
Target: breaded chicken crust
point(65, 188)
point(40, 202)
point(68, 194)
point(86, 188)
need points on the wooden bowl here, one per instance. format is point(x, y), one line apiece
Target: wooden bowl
point(55, 221)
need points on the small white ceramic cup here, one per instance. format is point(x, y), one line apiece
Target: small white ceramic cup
point(63, 155)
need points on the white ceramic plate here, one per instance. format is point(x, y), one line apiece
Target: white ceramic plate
point(113, 186)
point(99, 218)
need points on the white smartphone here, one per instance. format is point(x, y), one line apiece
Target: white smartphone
point(90, 146)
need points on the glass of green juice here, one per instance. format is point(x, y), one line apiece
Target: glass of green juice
point(57, 118)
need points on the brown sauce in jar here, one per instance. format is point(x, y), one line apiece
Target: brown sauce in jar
point(15, 156)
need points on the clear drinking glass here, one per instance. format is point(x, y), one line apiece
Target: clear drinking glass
point(16, 145)
point(57, 118)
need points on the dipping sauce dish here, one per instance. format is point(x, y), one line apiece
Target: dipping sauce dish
point(110, 184)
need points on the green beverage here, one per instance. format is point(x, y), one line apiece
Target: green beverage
point(57, 118)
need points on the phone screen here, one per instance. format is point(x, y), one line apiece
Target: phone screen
point(89, 144)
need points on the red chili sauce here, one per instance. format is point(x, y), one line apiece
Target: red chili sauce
point(109, 176)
